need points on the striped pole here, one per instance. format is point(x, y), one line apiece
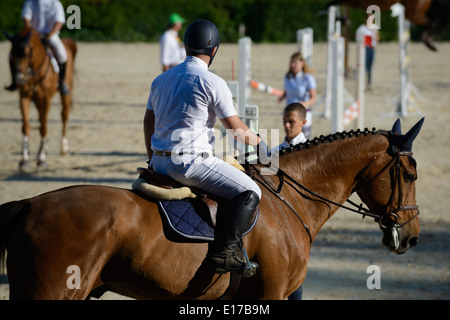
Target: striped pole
point(265, 88)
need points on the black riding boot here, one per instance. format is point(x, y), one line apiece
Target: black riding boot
point(229, 229)
point(13, 85)
point(63, 87)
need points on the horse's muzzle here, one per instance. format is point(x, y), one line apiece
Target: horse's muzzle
point(397, 241)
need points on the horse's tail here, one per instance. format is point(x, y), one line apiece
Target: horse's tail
point(8, 215)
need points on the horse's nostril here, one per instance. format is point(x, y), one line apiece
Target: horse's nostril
point(413, 241)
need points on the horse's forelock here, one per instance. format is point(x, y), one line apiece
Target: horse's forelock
point(19, 44)
point(18, 50)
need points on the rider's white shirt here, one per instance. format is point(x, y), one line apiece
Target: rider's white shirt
point(186, 100)
point(43, 14)
point(171, 50)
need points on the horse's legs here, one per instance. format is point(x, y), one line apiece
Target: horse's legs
point(66, 102)
point(43, 106)
point(25, 110)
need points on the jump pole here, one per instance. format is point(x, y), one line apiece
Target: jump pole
point(404, 100)
point(331, 34)
point(336, 79)
point(265, 88)
point(305, 41)
point(245, 74)
point(340, 117)
point(241, 92)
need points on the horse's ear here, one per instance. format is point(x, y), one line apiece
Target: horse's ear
point(397, 127)
point(8, 35)
point(409, 137)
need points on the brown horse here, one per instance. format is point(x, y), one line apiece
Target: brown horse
point(431, 14)
point(113, 239)
point(38, 82)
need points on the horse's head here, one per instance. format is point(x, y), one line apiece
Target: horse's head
point(389, 191)
point(21, 56)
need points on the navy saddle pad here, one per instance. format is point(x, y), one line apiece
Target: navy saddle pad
point(190, 219)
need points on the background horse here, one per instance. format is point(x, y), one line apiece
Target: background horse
point(115, 239)
point(38, 82)
point(430, 14)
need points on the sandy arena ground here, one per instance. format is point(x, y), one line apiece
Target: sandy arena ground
point(105, 133)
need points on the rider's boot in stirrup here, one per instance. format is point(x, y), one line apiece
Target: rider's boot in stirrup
point(226, 253)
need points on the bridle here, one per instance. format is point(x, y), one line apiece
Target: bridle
point(393, 226)
point(397, 180)
point(30, 75)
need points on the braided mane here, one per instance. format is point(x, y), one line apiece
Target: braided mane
point(324, 139)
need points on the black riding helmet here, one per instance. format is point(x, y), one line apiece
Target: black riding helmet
point(201, 37)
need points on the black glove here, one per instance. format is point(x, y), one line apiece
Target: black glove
point(263, 152)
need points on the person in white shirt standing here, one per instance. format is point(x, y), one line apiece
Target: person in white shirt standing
point(294, 118)
point(47, 17)
point(369, 37)
point(172, 49)
point(179, 134)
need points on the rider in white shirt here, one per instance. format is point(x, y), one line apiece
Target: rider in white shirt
point(47, 17)
point(181, 111)
point(172, 50)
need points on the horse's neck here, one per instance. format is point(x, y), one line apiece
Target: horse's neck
point(331, 170)
point(39, 51)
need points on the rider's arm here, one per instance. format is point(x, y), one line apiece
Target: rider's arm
point(56, 28)
point(241, 132)
point(26, 26)
point(149, 129)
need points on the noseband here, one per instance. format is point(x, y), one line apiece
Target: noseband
point(382, 220)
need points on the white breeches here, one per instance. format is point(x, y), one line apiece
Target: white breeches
point(212, 175)
point(58, 48)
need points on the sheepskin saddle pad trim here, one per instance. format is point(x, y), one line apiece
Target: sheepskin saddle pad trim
point(190, 215)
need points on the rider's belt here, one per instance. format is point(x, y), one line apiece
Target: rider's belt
point(163, 153)
point(168, 154)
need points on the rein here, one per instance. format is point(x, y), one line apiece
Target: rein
point(284, 177)
point(276, 193)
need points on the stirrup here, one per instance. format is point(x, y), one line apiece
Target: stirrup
point(228, 261)
point(250, 267)
point(64, 89)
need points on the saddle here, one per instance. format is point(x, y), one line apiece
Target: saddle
point(188, 214)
